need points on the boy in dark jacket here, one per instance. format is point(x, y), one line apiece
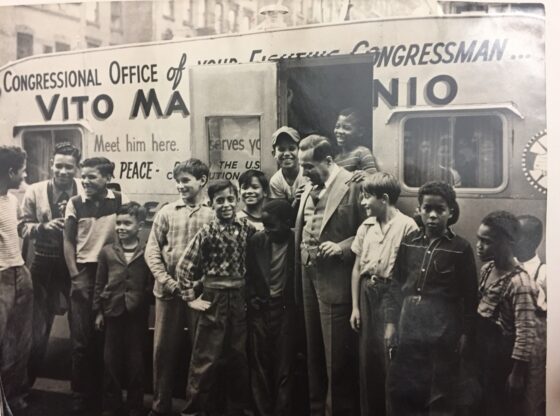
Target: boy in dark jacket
point(121, 302)
point(271, 317)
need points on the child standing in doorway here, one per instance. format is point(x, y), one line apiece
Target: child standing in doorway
point(288, 182)
point(349, 132)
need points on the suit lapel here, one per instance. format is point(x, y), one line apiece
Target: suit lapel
point(338, 190)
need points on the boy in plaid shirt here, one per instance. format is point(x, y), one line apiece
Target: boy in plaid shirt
point(216, 256)
point(174, 227)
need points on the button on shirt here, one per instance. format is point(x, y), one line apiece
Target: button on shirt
point(443, 269)
point(175, 225)
point(216, 255)
point(377, 246)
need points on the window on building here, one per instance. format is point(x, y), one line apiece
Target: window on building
point(39, 145)
point(24, 45)
point(47, 49)
point(245, 23)
point(218, 17)
point(116, 15)
point(232, 20)
point(169, 9)
point(187, 11)
point(92, 12)
point(61, 47)
point(93, 43)
point(465, 151)
point(201, 13)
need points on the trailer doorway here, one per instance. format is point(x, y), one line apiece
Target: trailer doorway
point(312, 92)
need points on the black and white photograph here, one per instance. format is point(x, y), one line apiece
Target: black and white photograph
point(277, 208)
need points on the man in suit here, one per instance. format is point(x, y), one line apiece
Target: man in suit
point(328, 218)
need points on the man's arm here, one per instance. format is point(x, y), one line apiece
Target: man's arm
point(154, 257)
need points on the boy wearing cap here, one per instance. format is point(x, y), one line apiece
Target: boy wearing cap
point(288, 181)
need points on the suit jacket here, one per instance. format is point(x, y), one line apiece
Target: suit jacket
point(343, 215)
point(122, 286)
point(258, 267)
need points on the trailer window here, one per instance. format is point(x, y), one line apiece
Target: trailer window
point(234, 144)
point(465, 151)
point(39, 145)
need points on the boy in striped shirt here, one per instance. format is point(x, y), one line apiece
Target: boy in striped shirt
point(16, 289)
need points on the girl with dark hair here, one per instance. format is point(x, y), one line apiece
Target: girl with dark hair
point(505, 317)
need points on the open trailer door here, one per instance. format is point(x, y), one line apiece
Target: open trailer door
point(234, 113)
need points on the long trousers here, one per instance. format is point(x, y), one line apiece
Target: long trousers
point(219, 357)
point(332, 353)
point(125, 339)
point(87, 350)
point(372, 353)
point(171, 318)
point(16, 315)
point(50, 280)
point(272, 343)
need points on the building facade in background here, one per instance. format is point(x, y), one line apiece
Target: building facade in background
point(38, 29)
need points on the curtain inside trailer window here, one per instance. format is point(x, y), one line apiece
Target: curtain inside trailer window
point(464, 151)
point(39, 145)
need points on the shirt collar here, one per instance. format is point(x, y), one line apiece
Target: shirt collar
point(448, 234)
point(531, 265)
point(335, 170)
point(57, 191)
point(110, 195)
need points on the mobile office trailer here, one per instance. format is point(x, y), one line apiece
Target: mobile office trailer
point(459, 98)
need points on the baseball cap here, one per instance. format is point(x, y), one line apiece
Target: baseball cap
point(292, 133)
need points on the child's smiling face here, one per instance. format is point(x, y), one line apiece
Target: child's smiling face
point(252, 193)
point(373, 205)
point(347, 131)
point(188, 186)
point(286, 152)
point(127, 227)
point(224, 203)
point(93, 181)
point(435, 213)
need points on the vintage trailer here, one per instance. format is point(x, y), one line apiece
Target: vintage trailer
point(454, 96)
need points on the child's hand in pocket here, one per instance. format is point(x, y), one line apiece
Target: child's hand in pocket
point(199, 304)
point(99, 322)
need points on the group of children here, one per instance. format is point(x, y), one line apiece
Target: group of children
point(419, 309)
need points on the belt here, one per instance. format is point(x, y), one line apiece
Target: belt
point(373, 278)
